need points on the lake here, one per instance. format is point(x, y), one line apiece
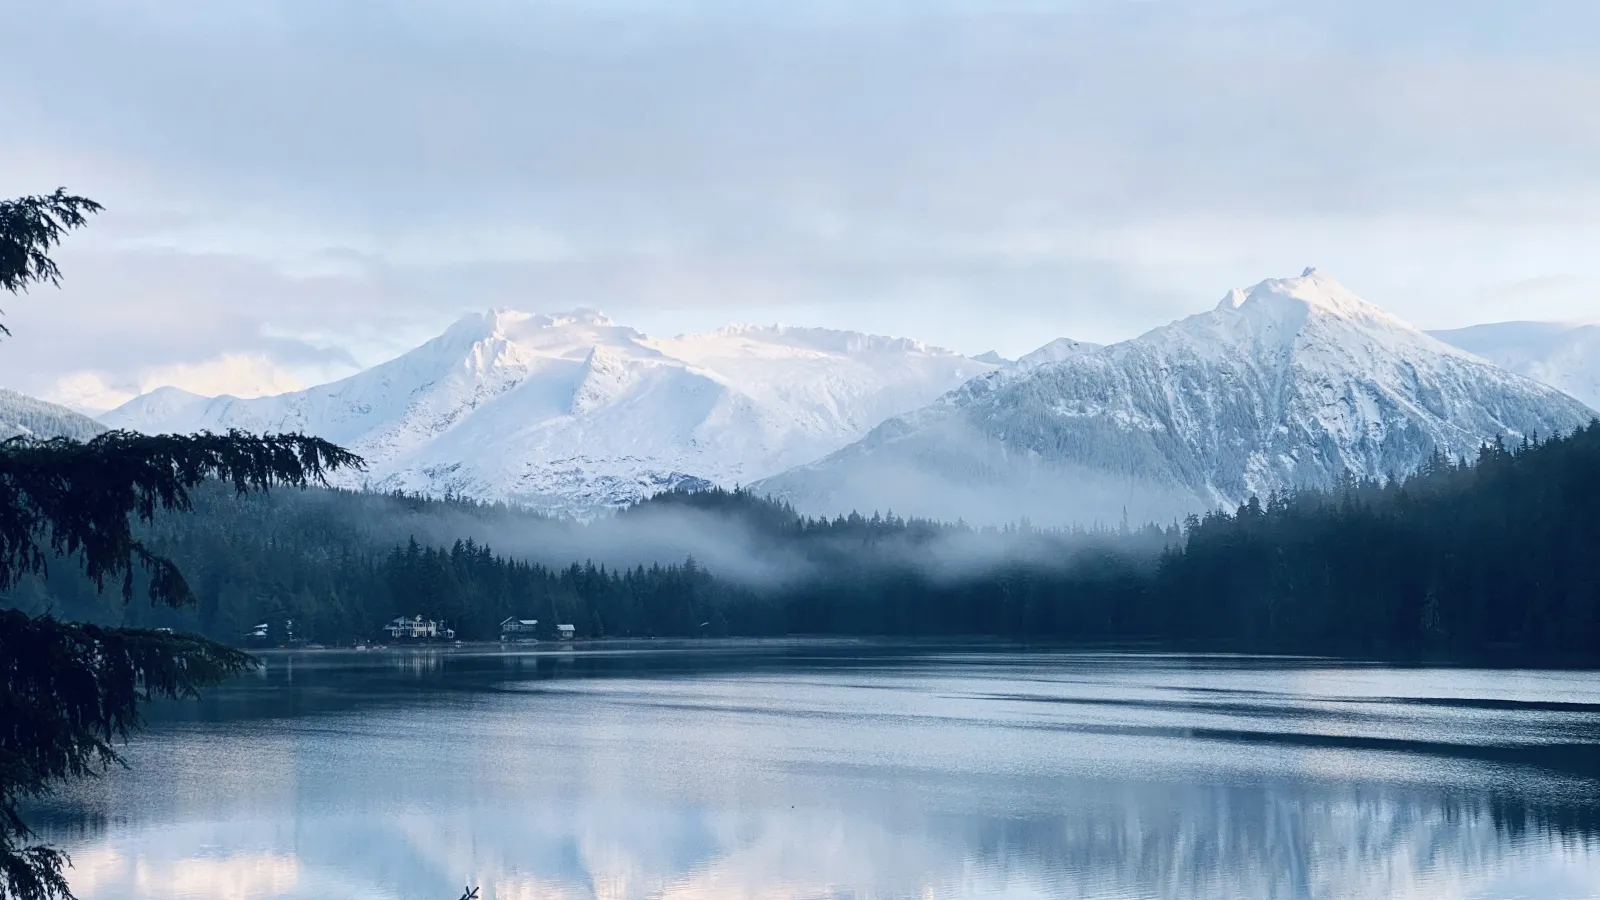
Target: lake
point(798, 769)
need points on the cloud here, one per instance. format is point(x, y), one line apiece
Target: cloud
point(141, 319)
point(976, 175)
point(238, 375)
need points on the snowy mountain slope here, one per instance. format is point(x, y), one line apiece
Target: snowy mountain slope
point(573, 412)
point(1562, 355)
point(1056, 351)
point(21, 415)
point(1288, 384)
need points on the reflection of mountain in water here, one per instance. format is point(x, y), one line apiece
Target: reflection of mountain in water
point(892, 774)
point(1288, 840)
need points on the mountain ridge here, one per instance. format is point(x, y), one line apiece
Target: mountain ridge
point(1565, 355)
point(572, 413)
point(1284, 383)
point(1289, 383)
point(25, 416)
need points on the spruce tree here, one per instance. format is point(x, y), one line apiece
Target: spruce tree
point(70, 692)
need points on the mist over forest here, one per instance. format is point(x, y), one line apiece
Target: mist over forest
point(1465, 557)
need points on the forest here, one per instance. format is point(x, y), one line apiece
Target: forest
point(1491, 555)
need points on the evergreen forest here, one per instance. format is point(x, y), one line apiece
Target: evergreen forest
point(1495, 555)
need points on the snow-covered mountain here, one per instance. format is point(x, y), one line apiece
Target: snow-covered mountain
point(1289, 383)
point(1560, 354)
point(1056, 351)
point(21, 415)
point(573, 413)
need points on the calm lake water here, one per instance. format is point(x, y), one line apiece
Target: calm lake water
point(797, 770)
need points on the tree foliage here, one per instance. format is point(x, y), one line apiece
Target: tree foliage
point(71, 691)
point(30, 227)
point(74, 499)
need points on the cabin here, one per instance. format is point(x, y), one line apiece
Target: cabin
point(515, 629)
point(565, 632)
point(417, 628)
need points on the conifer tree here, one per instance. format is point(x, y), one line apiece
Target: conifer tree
point(70, 692)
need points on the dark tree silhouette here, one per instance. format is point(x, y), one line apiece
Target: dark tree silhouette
point(29, 228)
point(71, 691)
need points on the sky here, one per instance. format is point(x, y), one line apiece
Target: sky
point(296, 189)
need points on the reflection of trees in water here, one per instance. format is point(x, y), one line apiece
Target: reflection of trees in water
point(1258, 842)
point(1269, 842)
point(666, 787)
point(77, 822)
point(1518, 819)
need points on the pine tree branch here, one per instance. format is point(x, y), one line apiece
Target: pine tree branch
point(72, 693)
point(30, 227)
point(74, 498)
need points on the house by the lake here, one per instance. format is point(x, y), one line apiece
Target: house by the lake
point(515, 629)
point(417, 628)
point(565, 632)
point(272, 634)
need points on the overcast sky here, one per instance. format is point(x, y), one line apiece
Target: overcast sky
point(296, 188)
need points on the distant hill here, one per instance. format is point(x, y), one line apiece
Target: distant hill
point(23, 415)
point(1561, 354)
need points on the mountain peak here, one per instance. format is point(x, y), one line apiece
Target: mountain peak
point(507, 321)
point(513, 323)
point(1232, 300)
point(1310, 292)
point(1293, 382)
point(581, 315)
point(1056, 351)
point(570, 412)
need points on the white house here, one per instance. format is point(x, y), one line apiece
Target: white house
point(417, 628)
point(515, 629)
point(565, 632)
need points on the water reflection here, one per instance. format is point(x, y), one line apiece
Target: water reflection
point(235, 876)
point(848, 770)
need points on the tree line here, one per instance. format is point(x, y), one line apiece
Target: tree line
point(1463, 557)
